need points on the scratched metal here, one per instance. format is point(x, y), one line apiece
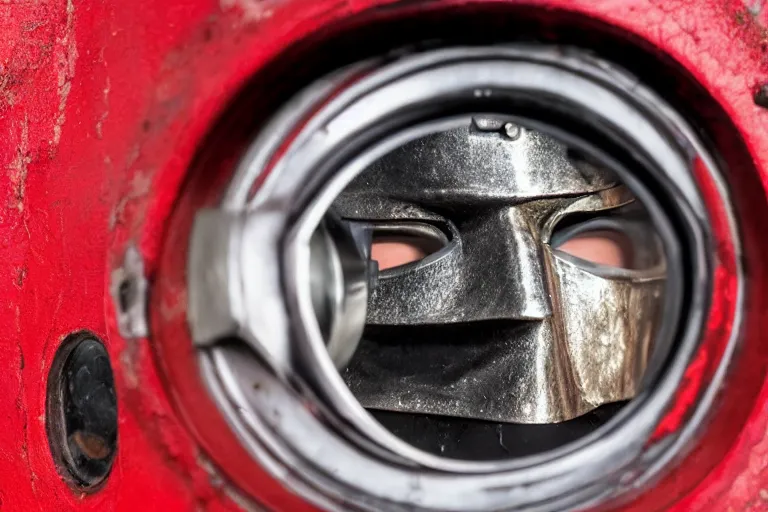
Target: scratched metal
point(498, 324)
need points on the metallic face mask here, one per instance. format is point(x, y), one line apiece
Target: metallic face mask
point(495, 322)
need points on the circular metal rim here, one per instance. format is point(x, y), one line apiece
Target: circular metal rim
point(330, 386)
point(675, 121)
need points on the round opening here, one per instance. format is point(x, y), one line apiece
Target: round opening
point(81, 411)
point(463, 279)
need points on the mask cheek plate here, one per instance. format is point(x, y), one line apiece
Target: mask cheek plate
point(607, 324)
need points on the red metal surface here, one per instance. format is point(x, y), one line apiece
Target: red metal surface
point(103, 106)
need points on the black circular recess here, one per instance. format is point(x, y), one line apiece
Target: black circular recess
point(82, 411)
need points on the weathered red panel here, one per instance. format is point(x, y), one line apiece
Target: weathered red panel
point(103, 105)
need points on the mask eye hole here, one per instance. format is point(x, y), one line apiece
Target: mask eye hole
point(391, 254)
point(609, 248)
point(400, 243)
point(623, 242)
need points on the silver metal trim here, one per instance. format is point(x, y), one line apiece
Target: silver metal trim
point(128, 287)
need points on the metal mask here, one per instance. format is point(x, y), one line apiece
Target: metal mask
point(495, 322)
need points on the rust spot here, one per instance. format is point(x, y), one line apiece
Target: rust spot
point(8, 81)
point(31, 26)
point(741, 17)
point(92, 445)
point(21, 275)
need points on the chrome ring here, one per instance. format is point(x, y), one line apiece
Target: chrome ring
point(332, 451)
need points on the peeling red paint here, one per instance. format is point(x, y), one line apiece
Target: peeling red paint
point(66, 56)
point(251, 11)
point(18, 167)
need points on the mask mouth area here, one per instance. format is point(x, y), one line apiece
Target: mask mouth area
point(442, 357)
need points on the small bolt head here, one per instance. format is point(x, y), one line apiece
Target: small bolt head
point(513, 131)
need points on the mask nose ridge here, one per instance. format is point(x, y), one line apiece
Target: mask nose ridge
point(503, 252)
